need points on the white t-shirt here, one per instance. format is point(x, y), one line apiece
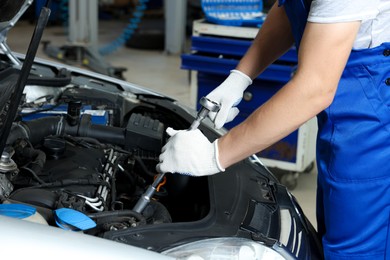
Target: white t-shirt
point(374, 14)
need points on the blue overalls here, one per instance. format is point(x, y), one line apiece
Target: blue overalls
point(353, 153)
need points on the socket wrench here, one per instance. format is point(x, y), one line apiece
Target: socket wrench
point(207, 106)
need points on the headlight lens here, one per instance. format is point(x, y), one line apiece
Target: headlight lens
point(224, 249)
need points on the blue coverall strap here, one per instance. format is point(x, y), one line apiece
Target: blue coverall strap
point(297, 13)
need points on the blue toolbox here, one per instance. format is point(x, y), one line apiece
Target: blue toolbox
point(210, 61)
point(213, 55)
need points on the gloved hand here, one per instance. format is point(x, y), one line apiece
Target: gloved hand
point(190, 153)
point(228, 95)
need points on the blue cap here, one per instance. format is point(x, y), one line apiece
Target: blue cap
point(70, 219)
point(17, 210)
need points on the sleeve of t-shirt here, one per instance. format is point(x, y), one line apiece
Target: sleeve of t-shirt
point(333, 11)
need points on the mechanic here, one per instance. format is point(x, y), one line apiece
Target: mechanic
point(343, 78)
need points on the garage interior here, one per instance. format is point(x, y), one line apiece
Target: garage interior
point(145, 59)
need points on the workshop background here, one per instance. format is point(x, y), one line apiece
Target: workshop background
point(176, 48)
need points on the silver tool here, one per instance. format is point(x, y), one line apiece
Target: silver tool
point(207, 106)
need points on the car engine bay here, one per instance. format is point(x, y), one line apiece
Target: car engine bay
point(93, 148)
point(82, 152)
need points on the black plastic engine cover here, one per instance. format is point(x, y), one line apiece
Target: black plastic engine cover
point(145, 133)
point(75, 163)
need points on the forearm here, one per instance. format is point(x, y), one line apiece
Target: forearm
point(323, 54)
point(273, 40)
point(274, 120)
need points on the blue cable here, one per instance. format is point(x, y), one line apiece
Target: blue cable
point(129, 30)
point(126, 33)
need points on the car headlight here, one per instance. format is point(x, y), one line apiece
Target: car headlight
point(227, 248)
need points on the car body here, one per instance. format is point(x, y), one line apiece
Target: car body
point(81, 152)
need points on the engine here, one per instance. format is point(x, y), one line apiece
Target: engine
point(58, 162)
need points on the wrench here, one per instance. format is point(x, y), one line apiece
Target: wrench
point(207, 106)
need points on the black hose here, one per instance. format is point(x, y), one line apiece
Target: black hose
point(108, 216)
point(157, 213)
point(36, 130)
point(38, 158)
point(67, 182)
point(34, 174)
point(110, 134)
point(62, 79)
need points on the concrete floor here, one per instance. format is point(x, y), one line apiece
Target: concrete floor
point(155, 70)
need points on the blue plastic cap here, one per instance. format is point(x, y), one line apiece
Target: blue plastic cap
point(70, 219)
point(17, 210)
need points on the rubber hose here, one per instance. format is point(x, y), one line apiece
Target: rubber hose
point(109, 216)
point(36, 130)
point(157, 213)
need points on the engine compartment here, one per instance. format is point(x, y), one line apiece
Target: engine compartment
point(88, 144)
point(96, 155)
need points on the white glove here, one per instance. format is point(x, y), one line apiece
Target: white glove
point(190, 153)
point(228, 95)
